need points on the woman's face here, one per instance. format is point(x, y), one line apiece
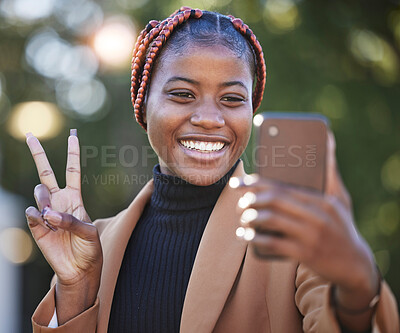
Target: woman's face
point(199, 112)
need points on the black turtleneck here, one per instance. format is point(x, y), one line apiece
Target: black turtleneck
point(159, 257)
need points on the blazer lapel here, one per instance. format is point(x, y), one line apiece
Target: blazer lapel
point(114, 240)
point(216, 266)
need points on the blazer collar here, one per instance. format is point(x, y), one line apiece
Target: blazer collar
point(216, 265)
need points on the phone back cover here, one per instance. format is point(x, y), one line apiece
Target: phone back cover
point(296, 155)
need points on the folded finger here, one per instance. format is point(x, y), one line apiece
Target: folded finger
point(267, 221)
point(42, 196)
point(43, 167)
point(38, 226)
point(284, 203)
point(73, 170)
point(271, 245)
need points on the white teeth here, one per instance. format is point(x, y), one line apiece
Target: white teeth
point(202, 145)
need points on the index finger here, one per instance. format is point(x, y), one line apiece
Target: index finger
point(45, 172)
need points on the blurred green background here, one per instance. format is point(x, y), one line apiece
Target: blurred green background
point(65, 64)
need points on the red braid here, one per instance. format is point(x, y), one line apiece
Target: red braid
point(261, 68)
point(152, 39)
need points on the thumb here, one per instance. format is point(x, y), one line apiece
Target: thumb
point(68, 222)
point(334, 183)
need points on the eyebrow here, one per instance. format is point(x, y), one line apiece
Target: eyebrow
point(224, 84)
point(181, 78)
point(233, 83)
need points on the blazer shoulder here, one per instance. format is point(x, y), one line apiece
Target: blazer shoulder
point(102, 223)
point(138, 202)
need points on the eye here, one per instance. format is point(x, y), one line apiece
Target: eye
point(233, 100)
point(182, 94)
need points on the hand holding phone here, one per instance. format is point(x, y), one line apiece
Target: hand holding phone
point(291, 150)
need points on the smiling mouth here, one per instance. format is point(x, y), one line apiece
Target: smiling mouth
point(202, 146)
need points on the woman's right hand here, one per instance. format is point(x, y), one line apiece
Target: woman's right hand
point(64, 233)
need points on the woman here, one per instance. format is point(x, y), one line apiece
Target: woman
point(171, 261)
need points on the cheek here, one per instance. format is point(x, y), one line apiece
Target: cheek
point(243, 126)
point(160, 132)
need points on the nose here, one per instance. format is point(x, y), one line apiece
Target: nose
point(207, 116)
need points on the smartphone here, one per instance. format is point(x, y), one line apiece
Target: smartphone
point(291, 148)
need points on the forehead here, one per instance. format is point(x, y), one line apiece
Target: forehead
point(205, 62)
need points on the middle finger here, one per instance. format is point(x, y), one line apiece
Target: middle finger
point(42, 197)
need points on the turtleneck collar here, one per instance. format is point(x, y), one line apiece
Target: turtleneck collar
point(175, 194)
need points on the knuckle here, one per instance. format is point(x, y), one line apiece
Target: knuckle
point(272, 244)
point(53, 190)
point(73, 170)
point(29, 211)
point(46, 172)
point(275, 196)
point(93, 231)
point(331, 203)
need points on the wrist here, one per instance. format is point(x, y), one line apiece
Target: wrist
point(359, 300)
point(73, 299)
point(85, 290)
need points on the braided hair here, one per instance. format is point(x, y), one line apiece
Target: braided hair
point(194, 26)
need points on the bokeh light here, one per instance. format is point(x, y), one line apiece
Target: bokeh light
point(281, 15)
point(114, 41)
point(390, 173)
point(258, 120)
point(81, 98)
point(53, 57)
point(372, 51)
point(26, 11)
point(41, 118)
point(15, 245)
point(82, 17)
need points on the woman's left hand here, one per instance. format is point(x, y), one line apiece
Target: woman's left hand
point(312, 228)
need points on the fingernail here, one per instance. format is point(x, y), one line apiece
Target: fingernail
point(53, 217)
point(29, 134)
point(248, 215)
point(246, 234)
point(246, 200)
point(73, 132)
point(45, 210)
point(234, 182)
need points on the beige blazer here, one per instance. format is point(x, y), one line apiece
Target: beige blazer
point(229, 290)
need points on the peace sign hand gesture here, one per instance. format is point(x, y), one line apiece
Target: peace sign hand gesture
point(64, 233)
